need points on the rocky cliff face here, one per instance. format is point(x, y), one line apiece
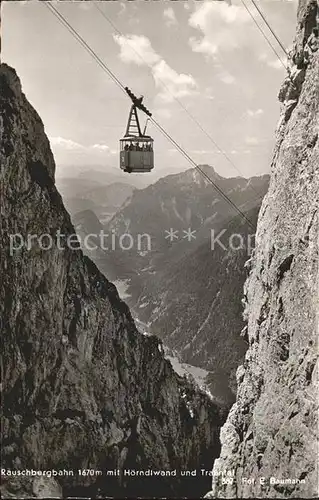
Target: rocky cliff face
point(181, 201)
point(81, 387)
point(272, 429)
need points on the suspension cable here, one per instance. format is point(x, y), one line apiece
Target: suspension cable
point(191, 161)
point(265, 37)
point(78, 37)
point(269, 27)
point(176, 98)
point(74, 33)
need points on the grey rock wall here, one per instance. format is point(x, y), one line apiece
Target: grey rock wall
point(81, 387)
point(272, 429)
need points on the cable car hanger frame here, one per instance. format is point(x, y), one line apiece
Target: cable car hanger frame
point(136, 148)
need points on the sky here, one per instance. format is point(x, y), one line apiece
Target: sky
point(206, 72)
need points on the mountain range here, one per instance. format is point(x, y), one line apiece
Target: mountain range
point(81, 194)
point(186, 292)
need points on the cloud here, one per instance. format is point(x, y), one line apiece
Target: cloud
point(255, 112)
point(172, 84)
point(65, 143)
point(69, 145)
point(101, 147)
point(276, 64)
point(251, 140)
point(214, 20)
point(169, 16)
point(227, 78)
point(205, 46)
point(122, 8)
point(203, 152)
point(137, 49)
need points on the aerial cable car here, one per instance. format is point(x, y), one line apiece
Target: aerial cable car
point(136, 148)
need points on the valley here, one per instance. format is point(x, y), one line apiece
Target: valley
point(185, 290)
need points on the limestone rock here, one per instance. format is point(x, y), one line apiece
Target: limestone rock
point(272, 430)
point(81, 387)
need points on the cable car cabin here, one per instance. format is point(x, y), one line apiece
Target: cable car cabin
point(136, 148)
point(137, 154)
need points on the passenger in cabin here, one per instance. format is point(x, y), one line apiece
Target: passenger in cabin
point(131, 147)
point(126, 147)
